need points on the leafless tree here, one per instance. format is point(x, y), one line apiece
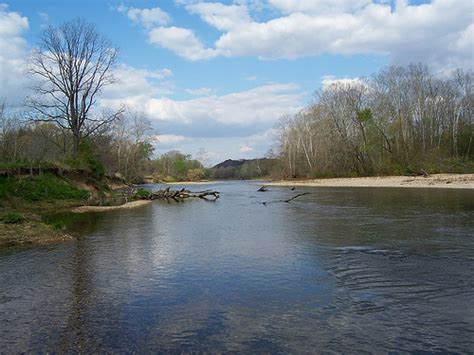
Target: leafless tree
point(70, 68)
point(403, 119)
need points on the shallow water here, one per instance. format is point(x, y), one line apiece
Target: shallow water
point(341, 269)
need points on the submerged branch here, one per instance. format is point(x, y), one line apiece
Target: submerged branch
point(296, 196)
point(288, 200)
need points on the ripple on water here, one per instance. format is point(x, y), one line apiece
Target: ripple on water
point(340, 270)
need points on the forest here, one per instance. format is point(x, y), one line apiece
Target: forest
point(399, 121)
point(60, 126)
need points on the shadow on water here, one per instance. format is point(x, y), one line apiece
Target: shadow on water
point(78, 224)
point(342, 270)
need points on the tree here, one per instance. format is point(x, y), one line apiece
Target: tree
point(132, 137)
point(402, 120)
point(71, 66)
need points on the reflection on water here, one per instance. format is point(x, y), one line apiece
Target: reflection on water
point(338, 270)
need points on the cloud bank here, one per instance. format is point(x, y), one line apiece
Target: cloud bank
point(12, 54)
point(439, 33)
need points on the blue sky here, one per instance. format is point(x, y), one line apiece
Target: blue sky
point(219, 74)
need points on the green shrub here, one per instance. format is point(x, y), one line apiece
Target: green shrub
point(87, 160)
point(38, 188)
point(142, 193)
point(12, 218)
point(58, 226)
point(88, 154)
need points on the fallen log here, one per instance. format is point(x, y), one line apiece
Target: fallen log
point(182, 194)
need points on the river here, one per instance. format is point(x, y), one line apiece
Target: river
point(339, 270)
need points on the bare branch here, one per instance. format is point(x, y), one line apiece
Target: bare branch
point(71, 66)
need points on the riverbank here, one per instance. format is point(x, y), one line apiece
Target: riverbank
point(26, 201)
point(125, 206)
point(27, 227)
point(445, 181)
point(203, 182)
point(31, 234)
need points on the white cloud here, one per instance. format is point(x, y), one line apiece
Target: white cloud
point(319, 6)
point(244, 148)
point(146, 17)
point(181, 41)
point(412, 33)
point(255, 5)
point(169, 139)
point(248, 110)
point(222, 17)
point(437, 33)
point(12, 55)
point(263, 137)
point(466, 40)
point(263, 104)
point(132, 82)
point(177, 39)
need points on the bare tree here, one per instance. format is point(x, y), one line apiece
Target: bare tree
point(71, 66)
point(402, 120)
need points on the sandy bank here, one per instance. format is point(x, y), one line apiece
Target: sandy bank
point(30, 233)
point(190, 183)
point(125, 206)
point(450, 181)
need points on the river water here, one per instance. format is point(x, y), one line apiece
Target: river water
point(339, 270)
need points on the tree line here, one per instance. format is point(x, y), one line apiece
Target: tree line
point(62, 126)
point(123, 149)
point(400, 120)
point(246, 169)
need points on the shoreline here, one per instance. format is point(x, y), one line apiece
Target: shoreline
point(33, 231)
point(445, 181)
point(206, 182)
point(125, 206)
point(30, 233)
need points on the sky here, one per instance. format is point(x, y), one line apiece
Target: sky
point(216, 76)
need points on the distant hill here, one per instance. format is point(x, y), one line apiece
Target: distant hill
point(229, 163)
point(244, 168)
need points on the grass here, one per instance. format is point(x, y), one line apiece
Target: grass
point(40, 188)
point(141, 194)
point(12, 218)
point(26, 201)
point(23, 199)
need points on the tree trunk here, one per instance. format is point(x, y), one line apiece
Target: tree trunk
point(76, 139)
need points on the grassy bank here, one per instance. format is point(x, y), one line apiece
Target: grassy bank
point(39, 188)
point(25, 199)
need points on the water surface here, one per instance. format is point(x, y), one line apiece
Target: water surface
point(339, 270)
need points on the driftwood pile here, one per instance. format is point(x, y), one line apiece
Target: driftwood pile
point(179, 195)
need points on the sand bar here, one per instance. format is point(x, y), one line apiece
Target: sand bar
point(206, 182)
point(134, 204)
point(448, 181)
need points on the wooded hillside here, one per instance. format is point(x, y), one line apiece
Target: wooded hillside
point(401, 120)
